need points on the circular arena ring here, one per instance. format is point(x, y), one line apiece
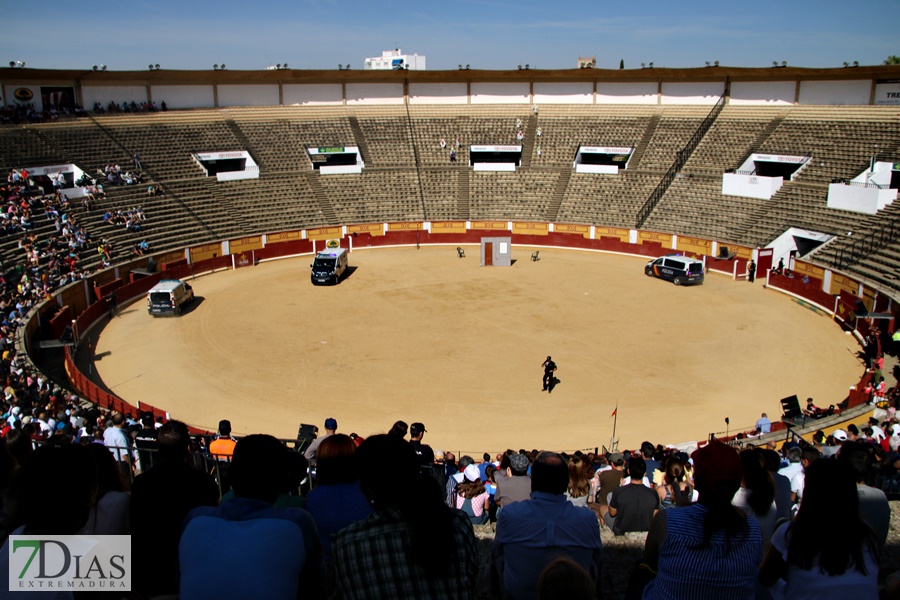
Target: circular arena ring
point(419, 334)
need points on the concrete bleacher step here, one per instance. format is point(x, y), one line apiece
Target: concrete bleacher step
point(325, 206)
point(645, 140)
point(463, 205)
point(558, 194)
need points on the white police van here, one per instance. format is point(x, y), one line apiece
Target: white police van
point(168, 297)
point(676, 268)
point(329, 266)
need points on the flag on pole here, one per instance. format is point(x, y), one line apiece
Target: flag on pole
point(615, 410)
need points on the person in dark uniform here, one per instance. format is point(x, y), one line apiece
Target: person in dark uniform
point(111, 304)
point(549, 369)
point(751, 271)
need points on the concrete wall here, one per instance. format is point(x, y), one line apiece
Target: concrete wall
point(627, 93)
point(437, 93)
point(563, 93)
point(248, 95)
point(374, 93)
point(835, 92)
point(112, 93)
point(763, 93)
point(313, 94)
point(706, 92)
point(501, 93)
point(184, 96)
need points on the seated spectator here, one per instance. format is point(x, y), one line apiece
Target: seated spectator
point(414, 546)
point(160, 500)
point(709, 549)
point(286, 561)
point(472, 496)
point(516, 485)
point(565, 578)
point(674, 491)
point(756, 495)
point(532, 533)
point(337, 500)
point(110, 511)
point(580, 474)
point(632, 505)
point(819, 555)
point(873, 504)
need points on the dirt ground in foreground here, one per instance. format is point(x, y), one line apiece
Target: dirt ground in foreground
point(420, 335)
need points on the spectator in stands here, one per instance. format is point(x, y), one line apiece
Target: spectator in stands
point(781, 483)
point(400, 429)
point(423, 451)
point(793, 454)
point(286, 561)
point(443, 143)
point(330, 429)
point(763, 425)
point(709, 548)
point(808, 456)
point(145, 442)
point(756, 495)
point(516, 485)
point(608, 480)
point(472, 497)
point(632, 506)
point(50, 495)
point(654, 468)
point(116, 440)
point(674, 490)
point(819, 555)
point(530, 534)
point(456, 478)
point(414, 546)
point(110, 509)
point(873, 503)
point(565, 578)
point(160, 500)
point(336, 501)
point(579, 488)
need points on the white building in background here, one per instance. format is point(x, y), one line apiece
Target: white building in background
point(395, 60)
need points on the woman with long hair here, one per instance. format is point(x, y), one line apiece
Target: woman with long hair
point(674, 491)
point(472, 497)
point(579, 481)
point(823, 553)
point(757, 493)
point(414, 545)
point(709, 548)
point(399, 429)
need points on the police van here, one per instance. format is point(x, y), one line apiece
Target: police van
point(329, 266)
point(676, 268)
point(168, 297)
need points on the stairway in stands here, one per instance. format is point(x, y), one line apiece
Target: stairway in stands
point(561, 184)
point(243, 139)
point(528, 142)
point(645, 141)
point(218, 191)
point(462, 202)
point(324, 205)
point(360, 139)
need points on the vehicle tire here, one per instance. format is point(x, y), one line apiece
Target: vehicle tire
point(177, 311)
point(676, 281)
point(648, 273)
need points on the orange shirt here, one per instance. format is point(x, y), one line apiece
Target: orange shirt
point(222, 447)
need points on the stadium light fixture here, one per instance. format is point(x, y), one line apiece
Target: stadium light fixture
point(340, 67)
point(651, 65)
point(846, 64)
point(17, 64)
point(784, 63)
point(215, 67)
point(222, 67)
point(855, 63)
point(520, 67)
point(708, 64)
point(716, 63)
point(643, 65)
point(285, 66)
point(102, 67)
point(347, 67)
point(460, 67)
point(527, 67)
point(774, 63)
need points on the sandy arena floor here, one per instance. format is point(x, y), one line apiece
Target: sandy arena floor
point(419, 335)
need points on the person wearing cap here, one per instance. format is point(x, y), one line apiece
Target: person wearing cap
point(423, 451)
point(330, 429)
point(472, 497)
point(532, 533)
point(516, 485)
point(549, 369)
point(711, 543)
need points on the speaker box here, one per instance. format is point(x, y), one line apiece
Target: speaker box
point(305, 436)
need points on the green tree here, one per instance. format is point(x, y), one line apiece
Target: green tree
point(622, 63)
point(893, 59)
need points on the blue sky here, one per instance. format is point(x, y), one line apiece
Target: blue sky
point(309, 34)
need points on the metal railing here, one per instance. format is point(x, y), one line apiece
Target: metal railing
point(681, 157)
point(863, 246)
